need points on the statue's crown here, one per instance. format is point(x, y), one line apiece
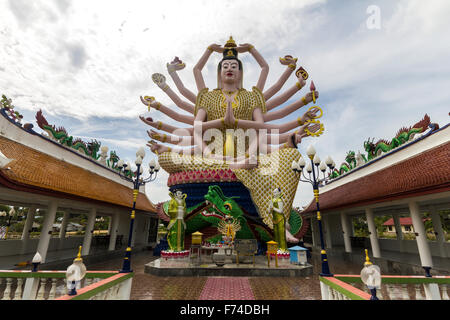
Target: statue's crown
point(230, 51)
point(230, 43)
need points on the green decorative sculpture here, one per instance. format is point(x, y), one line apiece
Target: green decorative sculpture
point(177, 226)
point(218, 208)
point(278, 219)
point(376, 149)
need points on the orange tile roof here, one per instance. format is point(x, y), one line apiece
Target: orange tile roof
point(34, 170)
point(425, 173)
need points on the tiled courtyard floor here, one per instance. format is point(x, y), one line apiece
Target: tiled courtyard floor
point(150, 287)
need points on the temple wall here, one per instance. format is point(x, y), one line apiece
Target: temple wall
point(336, 235)
point(14, 247)
point(410, 246)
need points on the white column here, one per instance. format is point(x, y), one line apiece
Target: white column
point(27, 227)
point(437, 226)
point(373, 233)
point(88, 233)
point(346, 232)
point(398, 230)
point(62, 230)
point(113, 233)
point(327, 231)
point(64, 222)
point(352, 226)
point(146, 229)
point(46, 230)
point(421, 238)
point(109, 225)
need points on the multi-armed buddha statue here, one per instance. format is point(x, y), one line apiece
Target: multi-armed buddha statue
point(231, 143)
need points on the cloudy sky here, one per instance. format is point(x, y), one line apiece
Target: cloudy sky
point(85, 63)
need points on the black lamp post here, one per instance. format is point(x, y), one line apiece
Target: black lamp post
point(126, 173)
point(314, 179)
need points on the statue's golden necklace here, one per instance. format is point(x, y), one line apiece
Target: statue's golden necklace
point(229, 94)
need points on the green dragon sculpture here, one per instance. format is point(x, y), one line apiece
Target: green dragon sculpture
point(345, 166)
point(60, 135)
point(403, 135)
point(381, 146)
point(112, 161)
point(217, 207)
point(7, 105)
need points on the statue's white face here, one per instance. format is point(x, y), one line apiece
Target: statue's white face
point(276, 192)
point(179, 195)
point(230, 72)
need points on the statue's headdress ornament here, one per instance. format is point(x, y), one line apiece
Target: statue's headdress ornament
point(230, 43)
point(229, 53)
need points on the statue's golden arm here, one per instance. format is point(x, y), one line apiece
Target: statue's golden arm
point(168, 111)
point(288, 61)
point(181, 132)
point(282, 98)
point(285, 111)
point(201, 63)
point(186, 106)
point(172, 68)
point(262, 63)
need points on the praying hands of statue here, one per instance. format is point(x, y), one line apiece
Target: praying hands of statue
point(229, 119)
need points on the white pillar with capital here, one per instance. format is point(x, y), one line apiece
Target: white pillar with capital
point(373, 233)
point(46, 231)
point(89, 231)
point(437, 226)
point(421, 237)
point(64, 222)
point(114, 230)
point(62, 230)
point(27, 228)
point(346, 232)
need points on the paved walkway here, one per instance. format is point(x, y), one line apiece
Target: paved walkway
point(230, 288)
point(150, 287)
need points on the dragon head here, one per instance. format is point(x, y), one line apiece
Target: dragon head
point(350, 157)
point(220, 206)
point(113, 157)
point(369, 146)
point(94, 147)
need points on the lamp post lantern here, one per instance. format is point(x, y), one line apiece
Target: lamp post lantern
point(371, 277)
point(126, 173)
point(314, 168)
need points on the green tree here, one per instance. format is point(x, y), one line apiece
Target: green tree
point(360, 227)
point(379, 221)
